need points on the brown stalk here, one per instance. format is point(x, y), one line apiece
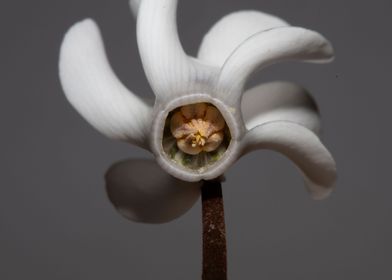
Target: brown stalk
point(214, 233)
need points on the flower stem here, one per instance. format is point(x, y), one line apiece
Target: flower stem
point(214, 233)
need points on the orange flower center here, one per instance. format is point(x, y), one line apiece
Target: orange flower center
point(198, 128)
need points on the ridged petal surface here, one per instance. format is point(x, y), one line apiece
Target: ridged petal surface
point(232, 30)
point(169, 70)
point(279, 101)
point(266, 48)
point(301, 146)
point(94, 90)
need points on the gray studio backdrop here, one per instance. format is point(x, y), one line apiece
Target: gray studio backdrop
point(57, 223)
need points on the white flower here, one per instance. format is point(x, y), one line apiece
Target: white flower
point(203, 119)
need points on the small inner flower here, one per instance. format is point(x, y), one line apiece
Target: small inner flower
point(196, 136)
point(198, 128)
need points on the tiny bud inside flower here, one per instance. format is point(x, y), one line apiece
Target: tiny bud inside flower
point(198, 128)
point(195, 136)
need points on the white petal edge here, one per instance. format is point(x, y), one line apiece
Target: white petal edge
point(280, 101)
point(134, 4)
point(232, 30)
point(96, 93)
point(170, 72)
point(301, 146)
point(266, 48)
point(142, 192)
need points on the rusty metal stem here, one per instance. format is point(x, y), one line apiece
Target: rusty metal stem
point(214, 233)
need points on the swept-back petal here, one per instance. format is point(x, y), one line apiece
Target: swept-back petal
point(266, 48)
point(279, 101)
point(93, 89)
point(169, 70)
point(301, 146)
point(134, 4)
point(232, 30)
point(142, 192)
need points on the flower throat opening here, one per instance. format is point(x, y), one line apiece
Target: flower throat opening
point(196, 136)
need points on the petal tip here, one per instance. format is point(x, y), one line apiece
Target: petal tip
point(329, 53)
point(87, 23)
point(77, 32)
point(326, 49)
point(321, 191)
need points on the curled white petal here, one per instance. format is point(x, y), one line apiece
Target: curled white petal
point(93, 89)
point(266, 48)
point(142, 192)
point(301, 146)
point(134, 4)
point(232, 30)
point(279, 101)
point(169, 70)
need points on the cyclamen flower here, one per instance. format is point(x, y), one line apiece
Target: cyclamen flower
point(203, 118)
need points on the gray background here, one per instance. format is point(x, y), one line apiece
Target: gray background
point(57, 223)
